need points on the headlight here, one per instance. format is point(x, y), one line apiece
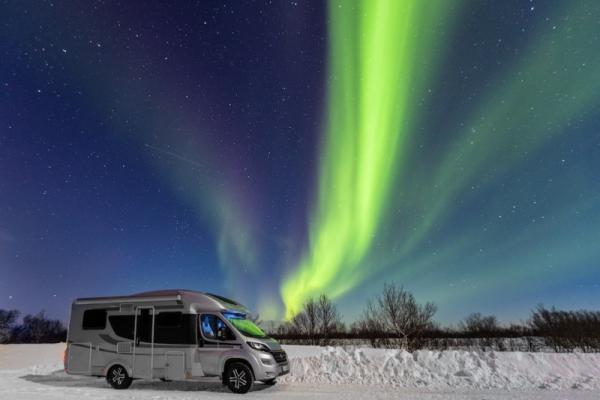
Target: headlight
point(259, 346)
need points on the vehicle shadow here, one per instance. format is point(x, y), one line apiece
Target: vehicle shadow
point(61, 379)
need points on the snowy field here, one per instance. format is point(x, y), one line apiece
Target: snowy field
point(32, 372)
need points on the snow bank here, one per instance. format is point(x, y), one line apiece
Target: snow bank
point(315, 366)
point(443, 369)
point(33, 357)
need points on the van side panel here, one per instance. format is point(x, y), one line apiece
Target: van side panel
point(94, 350)
point(174, 365)
point(82, 351)
point(79, 360)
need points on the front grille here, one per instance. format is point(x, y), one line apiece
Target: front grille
point(280, 356)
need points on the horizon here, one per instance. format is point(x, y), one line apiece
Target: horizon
point(522, 318)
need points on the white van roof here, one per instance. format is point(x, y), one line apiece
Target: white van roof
point(182, 296)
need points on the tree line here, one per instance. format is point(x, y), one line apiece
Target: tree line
point(395, 319)
point(32, 329)
point(392, 319)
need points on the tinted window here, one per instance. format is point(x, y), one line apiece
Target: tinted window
point(168, 320)
point(144, 326)
point(94, 319)
point(175, 328)
point(122, 325)
point(170, 328)
point(213, 328)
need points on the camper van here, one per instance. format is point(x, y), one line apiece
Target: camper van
point(170, 335)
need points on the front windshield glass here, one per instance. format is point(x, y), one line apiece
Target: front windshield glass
point(245, 326)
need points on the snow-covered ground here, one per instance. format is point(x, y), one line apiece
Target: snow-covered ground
point(29, 372)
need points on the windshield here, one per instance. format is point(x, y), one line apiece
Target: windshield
point(245, 326)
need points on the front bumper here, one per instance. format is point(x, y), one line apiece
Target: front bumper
point(281, 359)
point(270, 365)
point(284, 368)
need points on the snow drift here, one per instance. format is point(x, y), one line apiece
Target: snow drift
point(316, 366)
point(443, 369)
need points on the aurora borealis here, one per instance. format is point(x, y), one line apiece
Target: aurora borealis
point(273, 151)
point(376, 48)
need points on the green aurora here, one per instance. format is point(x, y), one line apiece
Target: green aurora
point(281, 151)
point(381, 55)
point(382, 58)
point(532, 105)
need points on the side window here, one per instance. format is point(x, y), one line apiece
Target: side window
point(94, 320)
point(170, 327)
point(168, 320)
point(213, 328)
point(175, 328)
point(122, 325)
point(144, 326)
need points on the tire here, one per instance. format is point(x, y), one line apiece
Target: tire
point(118, 377)
point(270, 382)
point(239, 377)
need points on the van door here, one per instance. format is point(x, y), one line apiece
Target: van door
point(143, 343)
point(217, 338)
point(174, 365)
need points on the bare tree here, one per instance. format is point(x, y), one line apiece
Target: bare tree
point(37, 326)
point(567, 330)
point(402, 314)
point(479, 324)
point(39, 329)
point(316, 322)
point(311, 310)
point(371, 326)
point(287, 329)
point(271, 327)
point(299, 324)
point(8, 319)
point(329, 319)
point(396, 314)
point(306, 322)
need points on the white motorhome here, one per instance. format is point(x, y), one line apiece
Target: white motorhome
point(170, 335)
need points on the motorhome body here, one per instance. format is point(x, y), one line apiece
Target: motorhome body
point(170, 335)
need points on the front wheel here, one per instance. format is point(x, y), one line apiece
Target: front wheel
point(118, 377)
point(239, 377)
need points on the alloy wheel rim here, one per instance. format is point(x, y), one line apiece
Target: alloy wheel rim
point(118, 376)
point(238, 378)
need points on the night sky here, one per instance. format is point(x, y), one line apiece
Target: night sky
point(273, 151)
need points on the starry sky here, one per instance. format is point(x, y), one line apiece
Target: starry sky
point(271, 151)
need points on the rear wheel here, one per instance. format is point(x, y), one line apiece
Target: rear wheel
point(270, 382)
point(239, 377)
point(118, 377)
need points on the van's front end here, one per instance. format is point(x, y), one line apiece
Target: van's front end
point(265, 354)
